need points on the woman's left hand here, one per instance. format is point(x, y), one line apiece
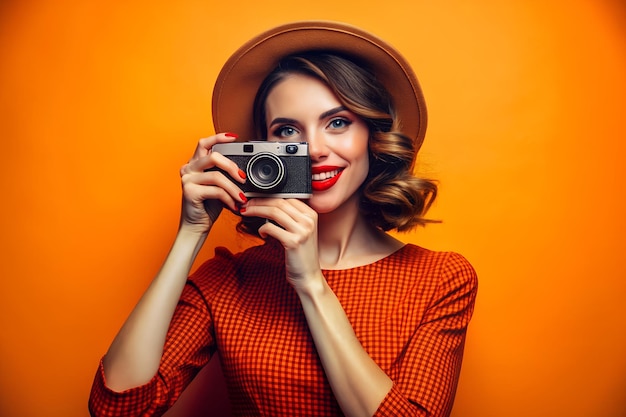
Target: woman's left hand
point(294, 224)
point(359, 384)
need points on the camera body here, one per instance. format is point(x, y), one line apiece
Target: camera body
point(273, 169)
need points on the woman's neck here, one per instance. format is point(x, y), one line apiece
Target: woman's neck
point(346, 239)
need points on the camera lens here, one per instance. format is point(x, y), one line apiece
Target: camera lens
point(265, 171)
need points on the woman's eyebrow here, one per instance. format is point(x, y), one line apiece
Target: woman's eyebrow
point(283, 120)
point(332, 112)
point(328, 113)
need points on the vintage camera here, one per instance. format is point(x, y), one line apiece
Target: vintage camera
point(273, 169)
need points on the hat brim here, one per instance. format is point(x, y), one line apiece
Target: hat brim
point(237, 83)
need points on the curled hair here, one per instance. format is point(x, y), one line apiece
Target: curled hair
point(392, 198)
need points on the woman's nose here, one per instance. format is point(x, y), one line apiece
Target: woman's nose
point(317, 146)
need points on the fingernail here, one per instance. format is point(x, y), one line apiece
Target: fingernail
point(242, 209)
point(243, 197)
point(242, 174)
point(231, 135)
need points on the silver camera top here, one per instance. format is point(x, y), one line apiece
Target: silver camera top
point(252, 147)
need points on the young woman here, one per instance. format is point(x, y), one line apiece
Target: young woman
point(331, 315)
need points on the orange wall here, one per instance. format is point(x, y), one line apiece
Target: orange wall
point(101, 102)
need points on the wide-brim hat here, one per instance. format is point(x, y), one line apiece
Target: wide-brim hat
point(237, 83)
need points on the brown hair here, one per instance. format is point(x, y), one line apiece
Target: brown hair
point(392, 197)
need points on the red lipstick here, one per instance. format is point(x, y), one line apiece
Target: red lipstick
point(325, 184)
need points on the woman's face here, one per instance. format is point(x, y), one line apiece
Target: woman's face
point(303, 109)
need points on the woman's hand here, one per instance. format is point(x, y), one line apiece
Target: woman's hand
point(135, 354)
point(294, 224)
point(206, 192)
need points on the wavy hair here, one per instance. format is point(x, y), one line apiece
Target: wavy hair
point(392, 198)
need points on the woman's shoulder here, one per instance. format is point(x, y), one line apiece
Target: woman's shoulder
point(420, 254)
point(226, 262)
point(418, 261)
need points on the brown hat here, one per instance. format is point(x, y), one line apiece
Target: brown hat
point(245, 70)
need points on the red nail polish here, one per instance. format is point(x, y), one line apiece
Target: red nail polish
point(242, 210)
point(242, 174)
point(231, 135)
point(243, 197)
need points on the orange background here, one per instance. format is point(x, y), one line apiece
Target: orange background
point(101, 102)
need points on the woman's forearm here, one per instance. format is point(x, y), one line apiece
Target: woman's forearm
point(134, 355)
point(357, 381)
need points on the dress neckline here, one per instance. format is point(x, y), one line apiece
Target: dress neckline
point(376, 261)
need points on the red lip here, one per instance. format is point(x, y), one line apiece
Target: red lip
point(324, 184)
point(323, 168)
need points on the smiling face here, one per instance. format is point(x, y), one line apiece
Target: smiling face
point(301, 108)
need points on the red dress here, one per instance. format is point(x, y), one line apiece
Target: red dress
point(410, 311)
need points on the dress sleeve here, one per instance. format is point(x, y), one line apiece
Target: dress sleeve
point(426, 375)
point(189, 346)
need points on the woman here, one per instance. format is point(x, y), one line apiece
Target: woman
point(331, 315)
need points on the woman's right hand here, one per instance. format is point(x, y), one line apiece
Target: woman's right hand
point(134, 355)
point(205, 193)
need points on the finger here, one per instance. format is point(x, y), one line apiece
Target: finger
point(293, 207)
point(292, 215)
point(296, 209)
point(215, 179)
point(288, 238)
point(199, 195)
point(215, 161)
point(204, 145)
point(302, 207)
point(278, 233)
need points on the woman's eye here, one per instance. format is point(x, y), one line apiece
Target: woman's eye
point(285, 132)
point(339, 123)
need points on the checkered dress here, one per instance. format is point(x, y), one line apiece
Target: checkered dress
point(410, 311)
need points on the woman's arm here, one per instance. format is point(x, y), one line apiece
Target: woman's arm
point(358, 383)
point(134, 355)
